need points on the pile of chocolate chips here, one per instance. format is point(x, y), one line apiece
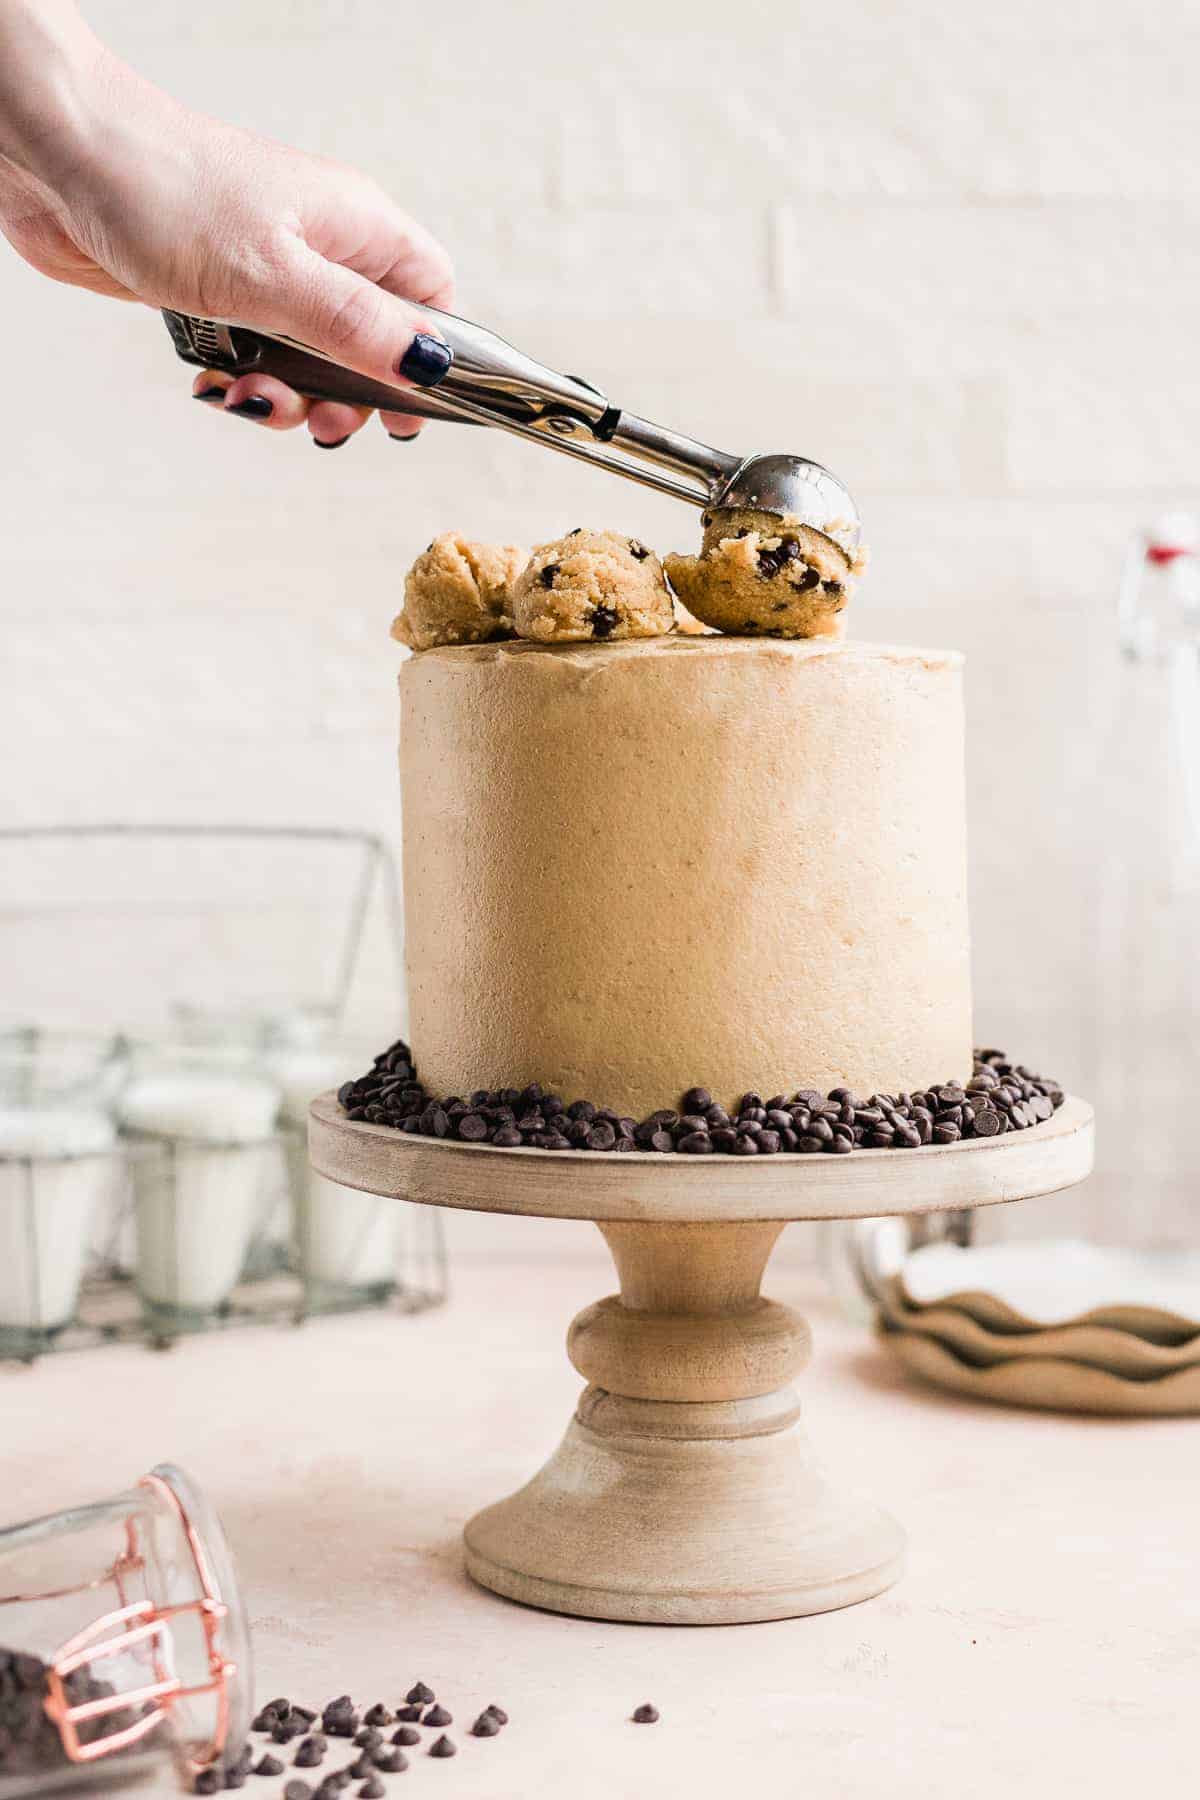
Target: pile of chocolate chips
point(29, 1741)
point(300, 1740)
point(1001, 1096)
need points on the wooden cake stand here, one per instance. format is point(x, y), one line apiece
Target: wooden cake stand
point(685, 1491)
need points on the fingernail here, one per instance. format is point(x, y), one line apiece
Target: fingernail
point(331, 443)
point(404, 437)
point(254, 407)
point(426, 361)
point(210, 394)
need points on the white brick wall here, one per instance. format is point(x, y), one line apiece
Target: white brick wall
point(952, 251)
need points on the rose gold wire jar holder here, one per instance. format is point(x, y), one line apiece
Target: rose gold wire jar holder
point(132, 1625)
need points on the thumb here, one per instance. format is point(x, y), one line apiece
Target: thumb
point(360, 325)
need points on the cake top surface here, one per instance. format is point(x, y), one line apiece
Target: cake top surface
point(791, 650)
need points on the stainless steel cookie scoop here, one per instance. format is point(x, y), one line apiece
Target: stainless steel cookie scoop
point(491, 383)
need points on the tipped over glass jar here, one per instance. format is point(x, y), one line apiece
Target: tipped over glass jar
point(124, 1645)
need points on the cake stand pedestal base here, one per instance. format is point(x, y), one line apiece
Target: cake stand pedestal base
point(685, 1491)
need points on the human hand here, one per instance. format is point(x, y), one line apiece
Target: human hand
point(130, 194)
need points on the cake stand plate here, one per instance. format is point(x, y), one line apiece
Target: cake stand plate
point(684, 1490)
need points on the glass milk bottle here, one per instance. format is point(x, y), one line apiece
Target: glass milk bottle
point(1142, 917)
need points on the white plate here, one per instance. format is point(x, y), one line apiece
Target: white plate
point(1045, 1384)
point(1031, 1286)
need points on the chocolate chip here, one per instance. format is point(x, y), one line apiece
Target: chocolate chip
point(601, 1135)
point(406, 1735)
point(286, 1730)
point(548, 573)
point(412, 1711)
point(507, 1137)
point(946, 1134)
point(638, 550)
point(372, 1789)
point(497, 1712)
point(443, 1747)
point(390, 1762)
point(208, 1781)
point(474, 1129)
point(437, 1715)
point(695, 1143)
point(697, 1100)
point(268, 1765)
point(297, 1790)
point(235, 1777)
point(310, 1753)
point(486, 1725)
point(770, 562)
point(647, 1714)
point(604, 621)
point(987, 1123)
point(369, 1736)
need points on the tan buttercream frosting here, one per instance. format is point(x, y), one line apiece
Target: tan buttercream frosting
point(637, 866)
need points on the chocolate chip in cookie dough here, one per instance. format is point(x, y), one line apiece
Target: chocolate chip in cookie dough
point(548, 573)
point(638, 550)
point(811, 578)
point(604, 621)
point(770, 562)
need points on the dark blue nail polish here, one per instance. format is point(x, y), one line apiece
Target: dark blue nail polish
point(403, 437)
point(210, 394)
point(426, 361)
point(255, 407)
point(331, 443)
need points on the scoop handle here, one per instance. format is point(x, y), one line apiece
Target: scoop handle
point(489, 382)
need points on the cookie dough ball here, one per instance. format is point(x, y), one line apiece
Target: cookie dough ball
point(760, 574)
point(592, 585)
point(459, 593)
